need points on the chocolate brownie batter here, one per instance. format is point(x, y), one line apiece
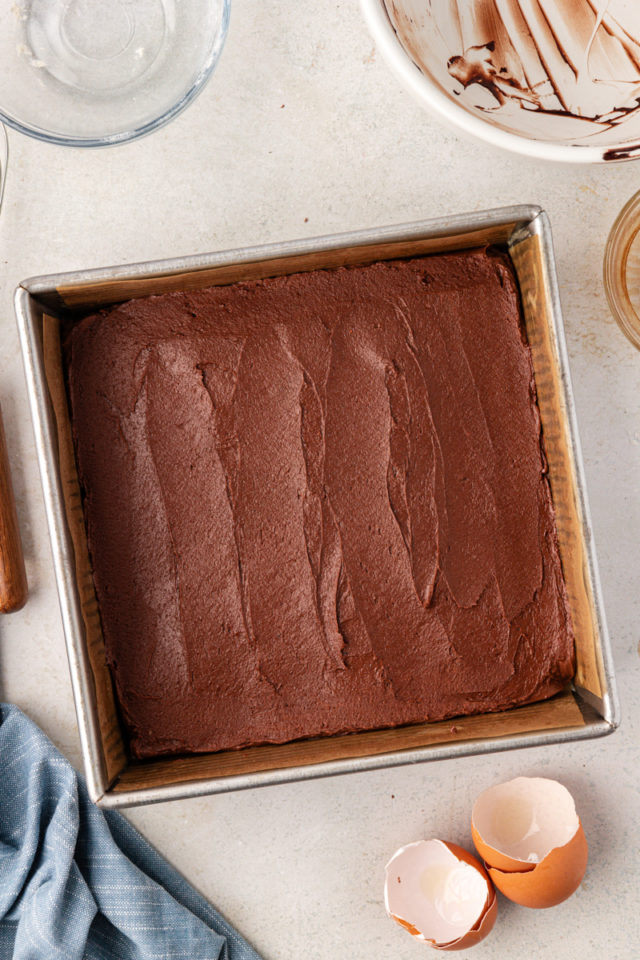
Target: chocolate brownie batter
point(318, 504)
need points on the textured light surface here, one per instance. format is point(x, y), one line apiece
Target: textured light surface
point(305, 121)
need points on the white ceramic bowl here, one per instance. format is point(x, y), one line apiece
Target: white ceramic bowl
point(555, 79)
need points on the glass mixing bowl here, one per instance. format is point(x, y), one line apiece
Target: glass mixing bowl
point(622, 270)
point(98, 72)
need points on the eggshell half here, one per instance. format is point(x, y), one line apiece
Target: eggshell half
point(486, 922)
point(529, 835)
point(551, 881)
point(436, 889)
point(493, 857)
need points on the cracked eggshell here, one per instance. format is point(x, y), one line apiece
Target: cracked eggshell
point(529, 835)
point(441, 894)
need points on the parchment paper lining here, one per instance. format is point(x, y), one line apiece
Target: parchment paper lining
point(560, 712)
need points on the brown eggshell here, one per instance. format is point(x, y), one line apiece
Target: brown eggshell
point(485, 923)
point(482, 930)
point(551, 881)
point(469, 858)
point(410, 927)
point(496, 859)
point(487, 919)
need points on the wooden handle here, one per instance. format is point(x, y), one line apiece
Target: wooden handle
point(13, 578)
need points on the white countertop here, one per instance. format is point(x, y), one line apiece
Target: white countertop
point(302, 131)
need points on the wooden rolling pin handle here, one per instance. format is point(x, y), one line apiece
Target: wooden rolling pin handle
point(13, 577)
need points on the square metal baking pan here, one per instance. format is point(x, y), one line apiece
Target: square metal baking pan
point(588, 709)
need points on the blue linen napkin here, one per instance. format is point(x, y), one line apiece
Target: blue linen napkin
point(80, 883)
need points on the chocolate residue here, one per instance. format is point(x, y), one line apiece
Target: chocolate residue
point(318, 504)
point(476, 66)
point(568, 58)
point(622, 153)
